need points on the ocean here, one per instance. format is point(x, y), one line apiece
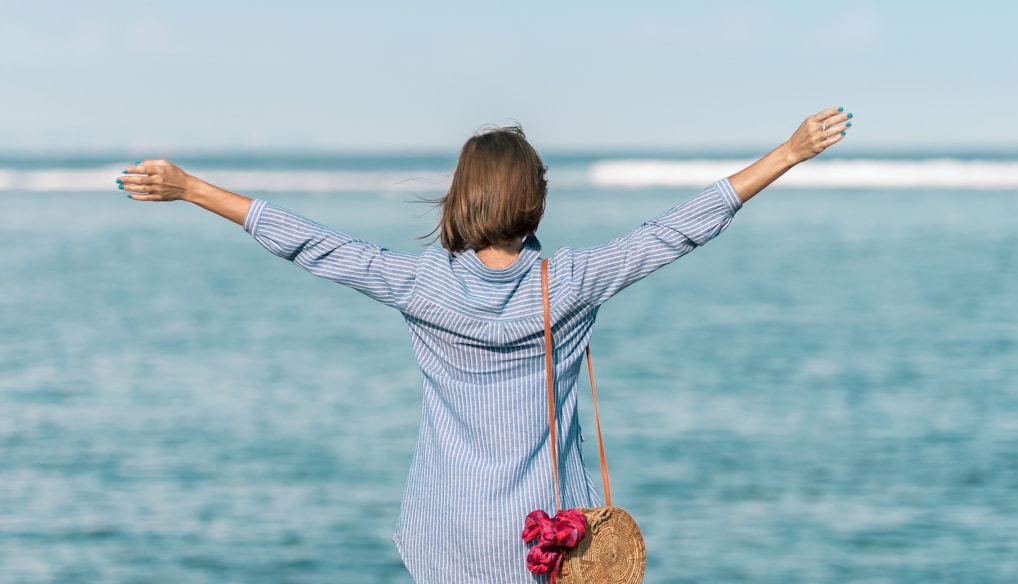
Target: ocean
point(826, 393)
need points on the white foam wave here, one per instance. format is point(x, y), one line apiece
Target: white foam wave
point(57, 180)
point(944, 173)
point(329, 181)
point(94, 180)
point(933, 173)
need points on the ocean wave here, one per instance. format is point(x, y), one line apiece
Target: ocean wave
point(941, 173)
point(862, 173)
point(96, 180)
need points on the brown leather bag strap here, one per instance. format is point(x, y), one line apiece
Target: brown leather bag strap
point(550, 373)
point(600, 441)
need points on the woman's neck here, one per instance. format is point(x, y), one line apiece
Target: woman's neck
point(501, 255)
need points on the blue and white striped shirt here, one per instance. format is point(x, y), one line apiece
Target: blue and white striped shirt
point(482, 461)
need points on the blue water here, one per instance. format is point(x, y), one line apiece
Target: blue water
point(826, 393)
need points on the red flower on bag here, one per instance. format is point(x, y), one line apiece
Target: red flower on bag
point(544, 558)
point(537, 523)
point(554, 536)
point(570, 526)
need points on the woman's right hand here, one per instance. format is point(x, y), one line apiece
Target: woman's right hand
point(818, 132)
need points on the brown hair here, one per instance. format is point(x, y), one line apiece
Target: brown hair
point(497, 193)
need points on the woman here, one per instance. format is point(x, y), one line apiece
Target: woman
point(474, 311)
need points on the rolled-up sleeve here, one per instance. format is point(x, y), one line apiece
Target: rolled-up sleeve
point(383, 275)
point(601, 272)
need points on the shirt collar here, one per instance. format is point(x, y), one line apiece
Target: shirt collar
point(529, 255)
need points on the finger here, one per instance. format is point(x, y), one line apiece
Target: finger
point(834, 138)
point(835, 125)
point(143, 197)
point(135, 184)
point(135, 179)
point(145, 167)
point(135, 168)
point(137, 191)
point(837, 129)
point(826, 113)
point(837, 118)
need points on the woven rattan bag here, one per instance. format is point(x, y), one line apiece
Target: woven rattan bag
point(611, 548)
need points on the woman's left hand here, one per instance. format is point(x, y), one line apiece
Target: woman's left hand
point(157, 180)
point(818, 132)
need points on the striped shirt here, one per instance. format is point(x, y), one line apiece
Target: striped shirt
point(482, 460)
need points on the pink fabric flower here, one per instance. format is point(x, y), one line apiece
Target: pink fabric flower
point(544, 558)
point(537, 523)
point(554, 536)
point(570, 526)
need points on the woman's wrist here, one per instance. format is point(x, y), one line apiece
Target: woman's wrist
point(787, 156)
point(197, 191)
point(219, 201)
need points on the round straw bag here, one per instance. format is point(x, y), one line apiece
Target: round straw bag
point(612, 550)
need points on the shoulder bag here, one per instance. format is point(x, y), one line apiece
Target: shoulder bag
point(597, 545)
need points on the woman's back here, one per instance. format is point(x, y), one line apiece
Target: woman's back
point(482, 460)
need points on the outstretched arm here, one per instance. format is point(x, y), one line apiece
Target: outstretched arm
point(814, 135)
point(601, 272)
point(159, 180)
point(383, 275)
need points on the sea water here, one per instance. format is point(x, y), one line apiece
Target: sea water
point(826, 393)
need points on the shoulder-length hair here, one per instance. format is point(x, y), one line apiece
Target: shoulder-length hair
point(497, 193)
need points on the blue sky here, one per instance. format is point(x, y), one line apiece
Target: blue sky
point(180, 76)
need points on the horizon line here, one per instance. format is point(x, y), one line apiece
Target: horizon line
point(711, 151)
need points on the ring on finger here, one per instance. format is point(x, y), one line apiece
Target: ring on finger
point(823, 126)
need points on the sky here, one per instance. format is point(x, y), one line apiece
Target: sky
point(197, 76)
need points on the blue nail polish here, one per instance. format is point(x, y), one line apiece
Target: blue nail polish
point(121, 187)
point(842, 133)
point(849, 115)
point(139, 162)
point(848, 125)
point(129, 197)
point(123, 172)
point(119, 181)
point(841, 109)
